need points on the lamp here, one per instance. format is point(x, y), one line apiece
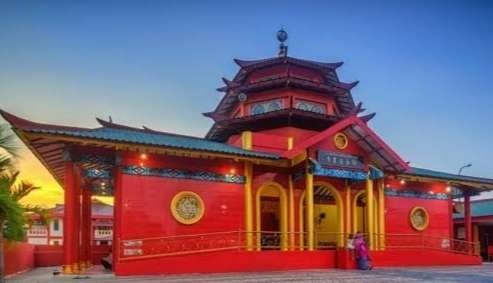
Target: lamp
point(463, 167)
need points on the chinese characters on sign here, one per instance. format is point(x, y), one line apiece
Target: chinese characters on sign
point(340, 160)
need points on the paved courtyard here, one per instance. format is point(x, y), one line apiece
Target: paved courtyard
point(428, 274)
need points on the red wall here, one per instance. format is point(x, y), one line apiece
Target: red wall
point(45, 255)
point(397, 215)
point(146, 206)
point(18, 257)
point(233, 261)
point(422, 258)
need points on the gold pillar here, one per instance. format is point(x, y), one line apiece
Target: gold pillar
point(370, 213)
point(248, 206)
point(348, 206)
point(246, 140)
point(381, 214)
point(291, 214)
point(309, 209)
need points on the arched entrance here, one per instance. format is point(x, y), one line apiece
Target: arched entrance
point(360, 219)
point(272, 217)
point(328, 216)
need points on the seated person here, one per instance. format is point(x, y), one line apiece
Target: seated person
point(107, 262)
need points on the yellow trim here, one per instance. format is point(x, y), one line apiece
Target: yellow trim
point(248, 205)
point(301, 215)
point(415, 225)
point(355, 215)
point(291, 213)
point(246, 140)
point(290, 143)
point(341, 141)
point(340, 213)
point(283, 199)
point(370, 213)
point(354, 209)
point(340, 210)
point(309, 210)
point(381, 214)
point(299, 158)
point(347, 204)
point(180, 218)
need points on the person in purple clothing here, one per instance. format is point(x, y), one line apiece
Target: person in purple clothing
point(362, 252)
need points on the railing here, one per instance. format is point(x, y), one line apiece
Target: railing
point(272, 240)
point(428, 242)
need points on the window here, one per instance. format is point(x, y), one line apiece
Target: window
point(310, 106)
point(56, 243)
point(56, 225)
point(266, 106)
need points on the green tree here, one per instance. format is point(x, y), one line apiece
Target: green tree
point(12, 213)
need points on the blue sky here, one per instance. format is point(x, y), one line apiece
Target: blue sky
point(425, 67)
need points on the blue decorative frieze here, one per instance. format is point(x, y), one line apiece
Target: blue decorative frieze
point(97, 174)
point(376, 173)
point(340, 173)
point(183, 174)
point(414, 194)
point(94, 159)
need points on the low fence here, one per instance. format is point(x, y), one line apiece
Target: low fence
point(18, 257)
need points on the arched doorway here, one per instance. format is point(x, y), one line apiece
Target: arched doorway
point(360, 219)
point(272, 217)
point(328, 216)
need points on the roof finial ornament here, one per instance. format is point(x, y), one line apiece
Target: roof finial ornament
point(282, 36)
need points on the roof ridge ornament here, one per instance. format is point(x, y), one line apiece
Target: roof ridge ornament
point(282, 36)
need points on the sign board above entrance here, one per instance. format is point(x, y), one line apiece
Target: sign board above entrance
point(339, 160)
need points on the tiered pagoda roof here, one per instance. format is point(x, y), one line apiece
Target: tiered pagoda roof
point(330, 85)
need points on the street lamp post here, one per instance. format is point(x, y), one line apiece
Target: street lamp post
point(463, 167)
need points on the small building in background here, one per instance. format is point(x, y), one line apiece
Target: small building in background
point(52, 234)
point(482, 223)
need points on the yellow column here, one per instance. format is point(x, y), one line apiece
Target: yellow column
point(381, 214)
point(291, 204)
point(248, 205)
point(369, 212)
point(290, 143)
point(309, 209)
point(348, 205)
point(291, 213)
point(246, 140)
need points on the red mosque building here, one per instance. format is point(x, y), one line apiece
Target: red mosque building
point(289, 169)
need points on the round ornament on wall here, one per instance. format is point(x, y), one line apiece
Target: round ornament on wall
point(419, 218)
point(341, 141)
point(187, 207)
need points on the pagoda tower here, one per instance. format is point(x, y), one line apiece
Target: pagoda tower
point(283, 96)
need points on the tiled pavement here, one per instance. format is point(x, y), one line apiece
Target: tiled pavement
point(424, 274)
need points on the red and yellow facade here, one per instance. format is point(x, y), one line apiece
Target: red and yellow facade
point(289, 170)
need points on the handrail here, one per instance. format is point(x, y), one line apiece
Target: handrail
point(170, 245)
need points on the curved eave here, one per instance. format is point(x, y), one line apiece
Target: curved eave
point(468, 182)
point(283, 116)
point(247, 64)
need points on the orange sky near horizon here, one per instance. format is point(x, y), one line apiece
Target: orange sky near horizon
point(51, 192)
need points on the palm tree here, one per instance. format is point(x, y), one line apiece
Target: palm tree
point(12, 213)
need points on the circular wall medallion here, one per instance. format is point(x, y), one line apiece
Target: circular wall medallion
point(419, 218)
point(187, 207)
point(340, 141)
